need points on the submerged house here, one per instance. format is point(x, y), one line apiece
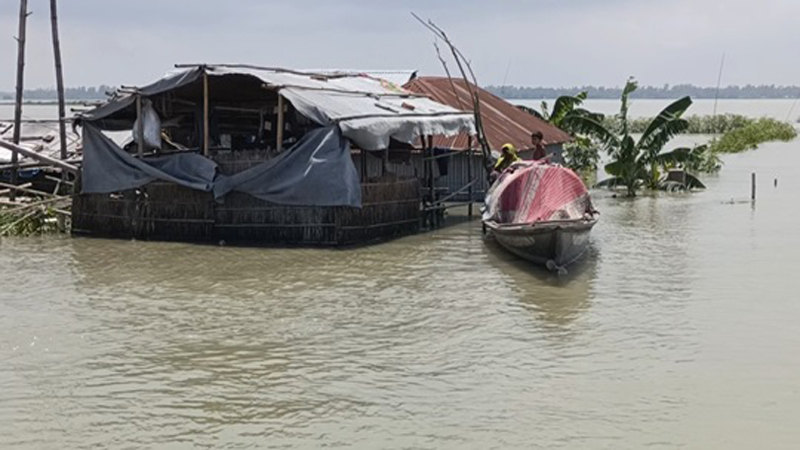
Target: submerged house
point(502, 123)
point(262, 155)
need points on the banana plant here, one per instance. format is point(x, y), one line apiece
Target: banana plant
point(638, 163)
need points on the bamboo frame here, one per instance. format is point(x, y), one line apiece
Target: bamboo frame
point(279, 131)
point(206, 133)
point(140, 125)
point(23, 19)
point(471, 191)
point(38, 156)
point(62, 128)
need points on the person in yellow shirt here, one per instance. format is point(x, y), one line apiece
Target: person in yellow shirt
point(508, 156)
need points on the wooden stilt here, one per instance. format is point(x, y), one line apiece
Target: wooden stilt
point(62, 126)
point(23, 19)
point(432, 181)
point(471, 192)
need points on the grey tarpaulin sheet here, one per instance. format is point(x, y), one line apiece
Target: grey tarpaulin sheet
point(317, 171)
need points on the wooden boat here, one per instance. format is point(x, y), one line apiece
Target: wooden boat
point(542, 213)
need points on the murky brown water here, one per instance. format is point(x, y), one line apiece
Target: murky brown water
point(679, 329)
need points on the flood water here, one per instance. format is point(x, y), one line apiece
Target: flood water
point(679, 329)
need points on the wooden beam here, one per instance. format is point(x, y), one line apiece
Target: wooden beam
point(23, 19)
point(206, 134)
point(27, 191)
point(38, 156)
point(279, 131)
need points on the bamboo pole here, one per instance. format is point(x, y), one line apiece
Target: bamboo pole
point(140, 125)
point(23, 19)
point(279, 131)
point(26, 190)
point(753, 186)
point(62, 126)
point(38, 156)
point(469, 176)
point(431, 179)
point(206, 134)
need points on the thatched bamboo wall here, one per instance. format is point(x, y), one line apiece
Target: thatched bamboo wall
point(164, 211)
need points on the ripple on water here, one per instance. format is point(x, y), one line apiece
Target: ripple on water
point(441, 340)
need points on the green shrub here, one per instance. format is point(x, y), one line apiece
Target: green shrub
point(755, 133)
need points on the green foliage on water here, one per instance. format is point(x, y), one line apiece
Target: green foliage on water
point(642, 163)
point(582, 154)
point(28, 222)
point(749, 137)
point(718, 124)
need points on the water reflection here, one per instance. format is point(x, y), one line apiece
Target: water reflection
point(556, 300)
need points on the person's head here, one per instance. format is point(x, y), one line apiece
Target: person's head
point(536, 137)
point(508, 149)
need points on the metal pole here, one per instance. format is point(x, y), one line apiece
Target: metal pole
point(23, 19)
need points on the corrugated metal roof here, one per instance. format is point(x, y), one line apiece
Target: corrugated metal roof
point(502, 121)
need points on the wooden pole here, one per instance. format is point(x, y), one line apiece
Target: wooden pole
point(363, 154)
point(753, 186)
point(279, 131)
point(469, 176)
point(62, 126)
point(206, 134)
point(139, 125)
point(432, 181)
point(23, 19)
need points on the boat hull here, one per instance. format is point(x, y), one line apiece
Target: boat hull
point(553, 244)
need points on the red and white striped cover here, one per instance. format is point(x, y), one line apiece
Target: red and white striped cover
point(531, 192)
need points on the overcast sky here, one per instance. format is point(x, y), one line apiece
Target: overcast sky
point(546, 42)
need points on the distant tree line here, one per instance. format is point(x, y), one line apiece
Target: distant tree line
point(73, 93)
point(664, 92)
point(84, 93)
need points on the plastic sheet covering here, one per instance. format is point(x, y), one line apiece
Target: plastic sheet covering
point(530, 192)
point(151, 128)
point(317, 171)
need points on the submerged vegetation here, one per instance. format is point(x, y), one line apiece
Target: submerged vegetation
point(642, 163)
point(751, 135)
point(27, 221)
point(719, 124)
